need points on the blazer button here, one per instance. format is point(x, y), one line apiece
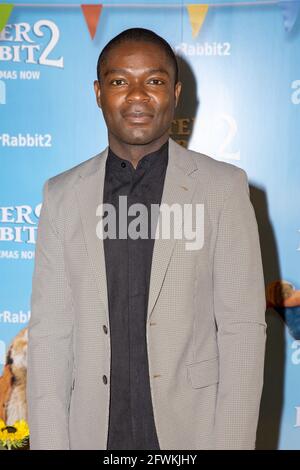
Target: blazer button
point(104, 379)
point(105, 329)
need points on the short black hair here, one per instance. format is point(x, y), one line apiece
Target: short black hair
point(138, 34)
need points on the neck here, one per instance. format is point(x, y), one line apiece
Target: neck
point(134, 153)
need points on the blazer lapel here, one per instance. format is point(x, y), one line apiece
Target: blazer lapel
point(179, 187)
point(89, 192)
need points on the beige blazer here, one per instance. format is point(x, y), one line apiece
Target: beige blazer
point(206, 325)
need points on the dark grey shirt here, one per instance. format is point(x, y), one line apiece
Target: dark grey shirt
point(128, 267)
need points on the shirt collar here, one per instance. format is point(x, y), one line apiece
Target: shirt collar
point(157, 158)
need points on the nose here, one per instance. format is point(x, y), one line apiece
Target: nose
point(137, 93)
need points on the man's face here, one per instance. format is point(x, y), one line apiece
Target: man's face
point(137, 94)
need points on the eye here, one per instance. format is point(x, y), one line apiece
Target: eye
point(117, 81)
point(156, 80)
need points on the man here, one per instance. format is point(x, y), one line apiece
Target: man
point(139, 342)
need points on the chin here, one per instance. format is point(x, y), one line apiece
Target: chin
point(139, 138)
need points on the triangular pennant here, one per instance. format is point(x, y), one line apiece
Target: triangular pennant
point(197, 14)
point(5, 11)
point(290, 11)
point(92, 15)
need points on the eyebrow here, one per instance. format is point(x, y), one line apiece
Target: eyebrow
point(120, 70)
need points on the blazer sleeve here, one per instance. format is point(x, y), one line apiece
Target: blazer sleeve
point(239, 305)
point(50, 330)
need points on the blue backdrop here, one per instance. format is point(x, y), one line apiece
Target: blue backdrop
point(240, 104)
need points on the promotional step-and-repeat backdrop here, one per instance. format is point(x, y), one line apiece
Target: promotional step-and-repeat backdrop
point(240, 68)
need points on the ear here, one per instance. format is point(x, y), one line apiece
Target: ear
point(178, 87)
point(97, 92)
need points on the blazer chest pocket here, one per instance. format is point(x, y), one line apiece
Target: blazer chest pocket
point(203, 373)
point(73, 381)
point(71, 389)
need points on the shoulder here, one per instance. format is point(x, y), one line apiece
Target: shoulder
point(62, 182)
point(70, 176)
point(214, 176)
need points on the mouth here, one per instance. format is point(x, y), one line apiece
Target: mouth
point(138, 117)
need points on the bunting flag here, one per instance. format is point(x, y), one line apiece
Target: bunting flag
point(197, 14)
point(92, 15)
point(5, 11)
point(290, 11)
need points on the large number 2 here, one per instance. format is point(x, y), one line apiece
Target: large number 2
point(232, 130)
point(53, 41)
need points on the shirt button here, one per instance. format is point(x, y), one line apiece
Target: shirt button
point(105, 329)
point(123, 164)
point(104, 379)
